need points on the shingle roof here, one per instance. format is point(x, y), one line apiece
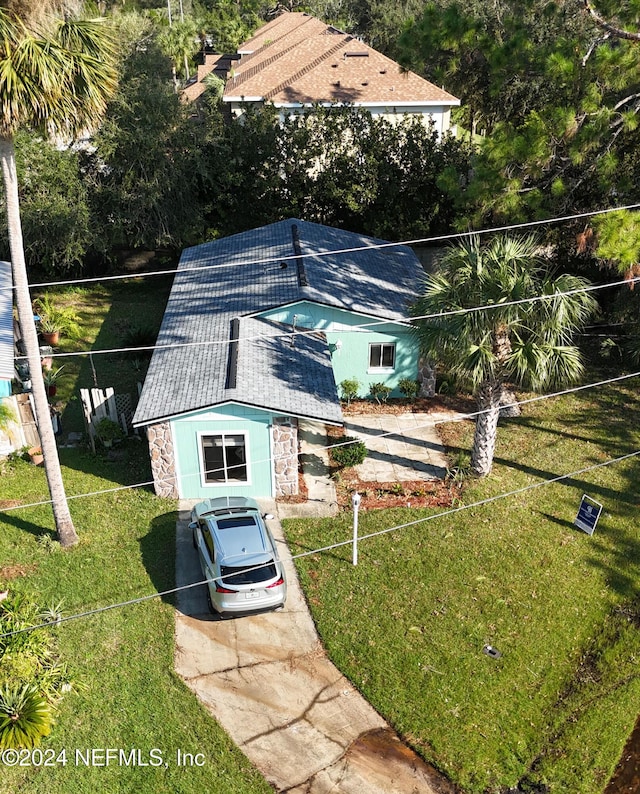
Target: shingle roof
point(298, 59)
point(221, 282)
point(6, 322)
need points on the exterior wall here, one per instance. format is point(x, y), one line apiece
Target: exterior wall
point(253, 423)
point(5, 388)
point(285, 456)
point(349, 345)
point(162, 457)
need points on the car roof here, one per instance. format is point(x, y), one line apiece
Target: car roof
point(241, 538)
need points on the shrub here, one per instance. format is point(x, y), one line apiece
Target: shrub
point(409, 388)
point(380, 391)
point(108, 431)
point(352, 453)
point(349, 388)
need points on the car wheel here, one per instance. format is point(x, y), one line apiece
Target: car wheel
point(193, 539)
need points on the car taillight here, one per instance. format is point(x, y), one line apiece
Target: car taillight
point(221, 589)
point(276, 584)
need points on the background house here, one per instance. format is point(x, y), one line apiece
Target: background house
point(263, 326)
point(296, 61)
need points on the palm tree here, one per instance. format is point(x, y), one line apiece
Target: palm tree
point(58, 82)
point(529, 343)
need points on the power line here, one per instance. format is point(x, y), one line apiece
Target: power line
point(352, 329)
point(272, 459)
point(271, 260)
point(332, 546)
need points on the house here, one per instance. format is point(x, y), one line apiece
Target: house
point(296, 61)
point(260, 329)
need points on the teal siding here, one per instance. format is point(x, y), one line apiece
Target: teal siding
point(350, 345)
point(235, 419)
point(5, 388)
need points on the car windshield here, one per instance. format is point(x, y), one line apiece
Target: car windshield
point(236, 575)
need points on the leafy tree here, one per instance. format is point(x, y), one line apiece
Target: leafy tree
point(58, 81)
point(530, 343)
point(556, 100)
point(340, 167)
point(54, 206)
point(180, 44)
point(145, 178)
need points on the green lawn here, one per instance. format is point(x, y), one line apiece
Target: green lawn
point(408, 625)
point(127, 695)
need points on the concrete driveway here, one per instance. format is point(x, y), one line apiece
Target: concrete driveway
point(267, 681)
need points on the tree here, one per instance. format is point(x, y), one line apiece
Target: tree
point(53, 206)
point(59, 82)
point(554, 96)
point(529, 343)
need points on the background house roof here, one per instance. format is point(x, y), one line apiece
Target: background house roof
point(219, 289)
point(6, 322)
point(296, 58)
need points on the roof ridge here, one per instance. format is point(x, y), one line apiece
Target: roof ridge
point(309, 66)
point(270, 42)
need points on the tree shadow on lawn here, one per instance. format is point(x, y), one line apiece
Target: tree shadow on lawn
point(158, 549)
point(12, 519)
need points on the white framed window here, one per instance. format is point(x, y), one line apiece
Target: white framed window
point(382, 356)
point(223, 459)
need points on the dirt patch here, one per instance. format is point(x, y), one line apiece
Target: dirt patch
point(9, 572)
point(5, 503)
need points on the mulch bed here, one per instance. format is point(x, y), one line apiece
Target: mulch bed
point(422, 405)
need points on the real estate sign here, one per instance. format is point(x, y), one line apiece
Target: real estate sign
point(588, 514)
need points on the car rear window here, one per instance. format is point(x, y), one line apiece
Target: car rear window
point(234, 575)
point(231, 523)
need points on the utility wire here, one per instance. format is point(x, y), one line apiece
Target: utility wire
point(272, 260)
point(351, 329)
point(332, 546)
point(272, 459)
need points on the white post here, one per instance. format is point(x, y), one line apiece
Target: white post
point(355, 501)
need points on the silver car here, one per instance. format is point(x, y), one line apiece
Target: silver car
point(238, 556)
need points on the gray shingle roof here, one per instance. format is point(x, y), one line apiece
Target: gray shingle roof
point(6, 322)
point(226, 279)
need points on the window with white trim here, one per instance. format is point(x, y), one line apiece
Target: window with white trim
point(382, 356)
point(224, 458)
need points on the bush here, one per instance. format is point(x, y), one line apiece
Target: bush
point(380, 391)
point(351, 454)
point(409, 388)
point(349, 388)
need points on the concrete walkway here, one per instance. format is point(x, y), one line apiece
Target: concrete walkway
point(401, 447)
point(266, 678)
point(267, 681)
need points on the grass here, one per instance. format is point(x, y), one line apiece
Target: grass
point(127, 695)
point(409, 623)
point(110, 315)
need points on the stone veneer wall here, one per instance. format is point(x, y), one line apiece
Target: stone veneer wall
point(427, 378)
point(163, 465)
point(285, 456)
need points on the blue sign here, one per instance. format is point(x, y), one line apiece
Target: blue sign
point(588, 514)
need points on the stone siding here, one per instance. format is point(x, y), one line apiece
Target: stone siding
point(427, 379)
point(285, 456)
point(163, 465)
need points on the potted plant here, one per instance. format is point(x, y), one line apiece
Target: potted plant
point(108, 431)
point(36, 456)
point(55, 319)
point(50, 377)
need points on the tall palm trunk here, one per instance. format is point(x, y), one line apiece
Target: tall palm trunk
point(62, 516)
point(484, 439)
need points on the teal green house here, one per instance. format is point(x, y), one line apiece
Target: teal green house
point(259, 330)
